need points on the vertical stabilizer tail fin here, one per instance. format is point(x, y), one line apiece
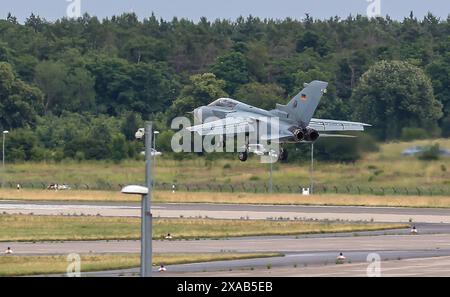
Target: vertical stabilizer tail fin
point(301, 108)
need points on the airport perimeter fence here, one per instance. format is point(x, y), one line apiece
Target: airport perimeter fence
point(247, 188)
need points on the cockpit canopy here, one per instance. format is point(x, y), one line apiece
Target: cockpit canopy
point(224, 103)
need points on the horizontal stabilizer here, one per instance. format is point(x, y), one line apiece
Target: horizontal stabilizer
point(333, 125)
point(337, 135)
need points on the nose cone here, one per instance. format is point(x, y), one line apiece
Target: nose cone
point(198, 114)
point(202, 114)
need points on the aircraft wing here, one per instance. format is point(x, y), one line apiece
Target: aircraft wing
point(244, 122)
point(227, 126)
point(234, 123)
point(333, 125)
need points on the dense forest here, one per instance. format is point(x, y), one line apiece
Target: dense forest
point(79, 88)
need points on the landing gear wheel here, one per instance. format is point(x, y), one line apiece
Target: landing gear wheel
point(243, 156)
point(283, 155)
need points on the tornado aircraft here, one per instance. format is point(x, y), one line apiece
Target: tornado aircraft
point(295, 122)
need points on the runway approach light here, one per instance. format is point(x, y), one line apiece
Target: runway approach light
point(340, 259)
point(132, 189)
point(140, 133)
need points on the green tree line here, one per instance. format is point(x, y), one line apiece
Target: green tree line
point(79, 88)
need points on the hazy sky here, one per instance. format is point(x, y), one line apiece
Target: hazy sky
point(228, 9)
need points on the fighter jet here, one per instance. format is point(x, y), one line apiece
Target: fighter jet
point(295, 120)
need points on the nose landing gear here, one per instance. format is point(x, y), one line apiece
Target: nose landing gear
point(244, 155)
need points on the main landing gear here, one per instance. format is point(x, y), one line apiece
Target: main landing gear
point(283, 154)
point(243, 156)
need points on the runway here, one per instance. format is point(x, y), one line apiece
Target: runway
point(305, 255)
point(232, 211)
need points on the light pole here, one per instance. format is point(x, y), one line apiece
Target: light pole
point(146, 240)
point(311, 190)
point(3, 150)
point(270, 184)
point(146, 192)
point(154, 153)
point(154, 139)
point(143, 191)
point(272, 155)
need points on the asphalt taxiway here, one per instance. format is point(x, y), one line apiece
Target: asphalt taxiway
point(232, 211)
point(283, 244)
point(320, 264)
point(402, 267)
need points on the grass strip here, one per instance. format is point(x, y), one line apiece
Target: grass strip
point(58, 228)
